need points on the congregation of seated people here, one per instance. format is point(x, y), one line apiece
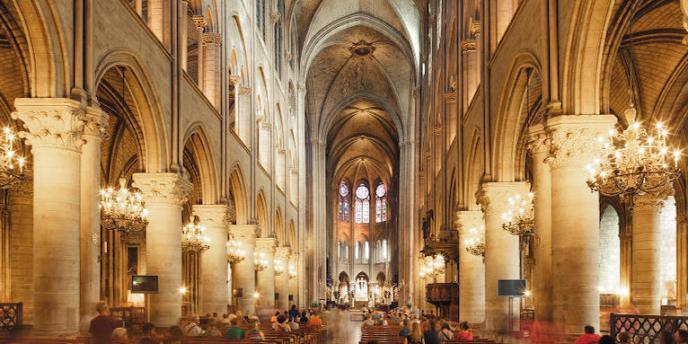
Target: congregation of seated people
point(290, 326)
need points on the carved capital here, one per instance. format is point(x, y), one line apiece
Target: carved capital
point(95, 122)
point(211, 38)
point(468, 46)
point(266, 245)
point(244, 91)
point(283, 253)
point(199, 22)
point(574, 139)
point(51, 122)
point(212, 215)
point(163, 187)
point(244, 233)
point(651, 200)
point(466, 219)
point(235, 79)
point(493, 196)
point(538, 141)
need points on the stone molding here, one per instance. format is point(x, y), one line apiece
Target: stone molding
point(493, 196)
point(469, 46)
point(573, 138)
point(244, 91)
point(163, 187)
point(538, 140)
point(211, 38)
point(266, 245)
point(651, 200)
point(199, 22)
point(51, 122)
point(212, 215)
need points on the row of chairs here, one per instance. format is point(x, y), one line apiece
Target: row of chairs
point(390, 335)
point(304, 335)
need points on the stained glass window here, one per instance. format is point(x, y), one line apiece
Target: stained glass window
point(380, 203)
point(344, 213)
point(362, 204)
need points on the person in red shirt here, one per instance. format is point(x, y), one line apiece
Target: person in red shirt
point(102, 325)
point(465, 333)
point(589, 337)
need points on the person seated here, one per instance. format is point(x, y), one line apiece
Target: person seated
point(234, 331)
point(624, 338)
point(212, 330)
point(315, 320)
point(150, 336)
point(101, 326)
point(405, 330)
point(293, 312)
point(589, 337)
point(607, 339)
point(465, 332)
point(192, 329)
point(282, 324)
point(273, 319)
point(175, 336)
point(681, 336)
point(368, 321)
point(446, 334)
point(294, 323)
point(255, 333)
point(120, 336)
point(304, 318)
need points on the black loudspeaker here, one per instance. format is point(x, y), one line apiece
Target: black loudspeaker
point(511, 288)
point(276, 296)
point(291, 297)
point(239, 292)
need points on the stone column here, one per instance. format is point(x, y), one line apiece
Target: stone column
point(471, 71)
point(199, 22)
point(55, 127)
point(575, 220)
point(156, 18)
point(295, 259)
point(538, 146)
point(266, 278)
point(646, 284)
point(164, 194)
point(243, 274)
point(471, 271)
point(211, 76)
point(282, 280)
point(183, 34)
point(214, 260)
point(502, 253)
point(94, 130)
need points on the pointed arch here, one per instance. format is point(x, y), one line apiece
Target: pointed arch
point(279, 229)
point(196, 139)
point(238, 195)
point(262, 215)
point(293, 239)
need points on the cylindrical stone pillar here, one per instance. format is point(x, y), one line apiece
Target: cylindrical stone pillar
point(265, 247)
point(94, 129)
point(183, 34)
point(243, 274)
point(294, 281)
point(575, 220)
point(471, 270)
point(282, 280)
point(214, 260)
point(502, 254)
point(539, 149)
point(156, 18)
point(211, 77)
point(646, 282)
point(164, 194)
point(55, 127)
point(199, 22)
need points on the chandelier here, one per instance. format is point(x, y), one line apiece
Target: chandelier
point(635, 161)
point(235, 252)
point(193, 238)
point(518, 219)
point(123, 210)
point(11, 164)
point(279, 267)
point(474, 243)
point(432, 266)
point(292, 270)
point(260, 261)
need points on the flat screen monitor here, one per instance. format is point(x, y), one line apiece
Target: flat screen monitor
point(513, 288)
point(144, 284)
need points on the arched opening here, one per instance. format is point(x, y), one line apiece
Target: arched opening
point(610, 251)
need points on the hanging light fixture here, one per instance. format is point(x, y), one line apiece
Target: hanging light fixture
point(279, 267)
point(432, 266)
point(519, 219)
point(635, 161)
point(123, 210)
point(474, 242)
point(235, 251)
point(11, 163)
point(192, 236)
point(260, 261)
point(292, 270)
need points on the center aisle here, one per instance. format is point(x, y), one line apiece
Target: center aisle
point(341, 329)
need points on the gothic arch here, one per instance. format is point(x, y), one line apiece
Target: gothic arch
point(262, 216)
point(196, 139)
point(279, 227)
point(150, 114)
point(238, 195)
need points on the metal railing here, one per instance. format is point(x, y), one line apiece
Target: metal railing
point(11, 316)
point(645, 328)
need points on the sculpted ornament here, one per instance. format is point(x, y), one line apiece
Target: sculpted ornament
point(163, 187)
point(52, 125)
point(574, 146)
